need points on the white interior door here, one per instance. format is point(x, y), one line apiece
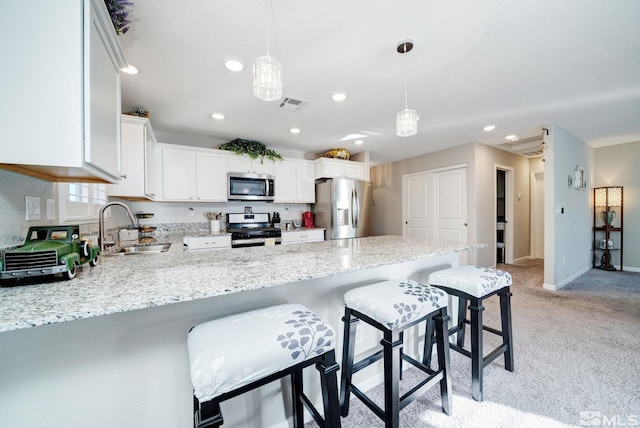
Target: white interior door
point(417, 196)
point(435, 206)
point(451, 205)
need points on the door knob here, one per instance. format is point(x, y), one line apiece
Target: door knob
point(465, 225)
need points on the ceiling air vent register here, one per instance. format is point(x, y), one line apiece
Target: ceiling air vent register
point(292, 104)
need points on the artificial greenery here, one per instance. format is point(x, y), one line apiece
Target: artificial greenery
point(119, 14)
point(253, 149)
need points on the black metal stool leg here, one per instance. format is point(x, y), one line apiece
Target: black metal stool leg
point(392, 350)
point(428, 342)
point(477, 363)
point(349, 341)
point(329, 381)
point(297, 390)
point(444, 363)
point(207, 414)
point(462, 313)
point(507, 329)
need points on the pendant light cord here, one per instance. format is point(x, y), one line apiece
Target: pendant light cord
point(406, 102)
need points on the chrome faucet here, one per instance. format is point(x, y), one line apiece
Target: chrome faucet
point(101, 220)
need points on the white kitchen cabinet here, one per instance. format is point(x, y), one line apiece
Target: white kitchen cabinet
point(138, 160)
point(213, 242)
point(245, 164)
point(305, 235)
point(60, 110)
point(152, 169)
point(193, 175)
point(339, 168)
point(295, 181)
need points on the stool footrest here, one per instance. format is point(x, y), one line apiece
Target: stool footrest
point(367, 361)
point(494, 354)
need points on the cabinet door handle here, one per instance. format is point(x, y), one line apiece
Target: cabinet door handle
point(123, 176)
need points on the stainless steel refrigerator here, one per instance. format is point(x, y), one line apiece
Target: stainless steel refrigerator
point(344, 207)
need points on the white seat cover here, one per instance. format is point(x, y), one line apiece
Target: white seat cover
point(396, 303)
point(230, 352)
point(474, 280)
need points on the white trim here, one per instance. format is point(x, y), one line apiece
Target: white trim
point(630, 269)
point(556, 287)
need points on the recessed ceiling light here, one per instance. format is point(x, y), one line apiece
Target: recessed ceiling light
point(489, 128)
point(234, 65)
point(295, 130)
point(129, 69)
point(217, 116)
point(339, 96)
point(511, 137)
point(358, 142)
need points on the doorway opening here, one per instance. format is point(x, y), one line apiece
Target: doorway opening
point(504, 238)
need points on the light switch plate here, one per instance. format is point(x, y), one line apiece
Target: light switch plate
point(32, 205)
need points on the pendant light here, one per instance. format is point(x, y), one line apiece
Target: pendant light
point(406, 119)
point(267, 73)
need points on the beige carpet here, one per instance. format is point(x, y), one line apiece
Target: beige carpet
point(577, 359)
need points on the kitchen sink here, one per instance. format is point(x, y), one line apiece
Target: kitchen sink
point(143, 249)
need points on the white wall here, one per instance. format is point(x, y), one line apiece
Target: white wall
point(618, 166)
point(13, 189)
point(568, 212)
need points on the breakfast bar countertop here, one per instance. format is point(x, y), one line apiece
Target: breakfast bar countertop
point(131, 282)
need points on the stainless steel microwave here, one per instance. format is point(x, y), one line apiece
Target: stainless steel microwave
point(250, 187)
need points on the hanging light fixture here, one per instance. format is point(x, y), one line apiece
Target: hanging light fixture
point(406, 119)
point(267, 73)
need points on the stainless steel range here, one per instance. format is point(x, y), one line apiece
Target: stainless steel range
point(252, 230)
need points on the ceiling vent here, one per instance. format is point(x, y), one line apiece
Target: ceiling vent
point(528, 147)
point(292, 104)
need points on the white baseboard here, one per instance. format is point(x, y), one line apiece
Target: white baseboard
point(631, 269)
point(556, 287)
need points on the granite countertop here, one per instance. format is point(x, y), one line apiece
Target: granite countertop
point(138, 281)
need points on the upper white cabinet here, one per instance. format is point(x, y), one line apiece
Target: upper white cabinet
point(60, 110)
point(193, 175)
point(139, 160)
point(339, 168)
point(295, 181)
point(245, 164)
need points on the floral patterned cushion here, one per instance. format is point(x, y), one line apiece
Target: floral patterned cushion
point(396, 303)
point(231, 352)
point(474, 280)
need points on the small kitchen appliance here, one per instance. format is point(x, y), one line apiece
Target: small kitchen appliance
point(252, 230)
point(250, 187)
point(307, 219)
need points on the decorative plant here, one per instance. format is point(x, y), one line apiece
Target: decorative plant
point(119, 14)
point(253, 149)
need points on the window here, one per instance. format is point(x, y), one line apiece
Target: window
point(80, 202)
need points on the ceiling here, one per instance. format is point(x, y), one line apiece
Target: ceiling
point(514, 64)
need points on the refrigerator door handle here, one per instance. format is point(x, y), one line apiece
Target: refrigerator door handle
point(355, 208)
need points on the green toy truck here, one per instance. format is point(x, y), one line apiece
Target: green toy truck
point(48, 250)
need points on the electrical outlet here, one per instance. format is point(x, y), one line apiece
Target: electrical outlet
point(191, 211)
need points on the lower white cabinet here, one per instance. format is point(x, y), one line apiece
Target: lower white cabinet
point(305, 235)
point(192, 175)
point(295, 181)
point(213, 242)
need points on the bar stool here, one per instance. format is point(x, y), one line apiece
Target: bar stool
point(392, 307)
point(473, 284)
point(233, 355)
